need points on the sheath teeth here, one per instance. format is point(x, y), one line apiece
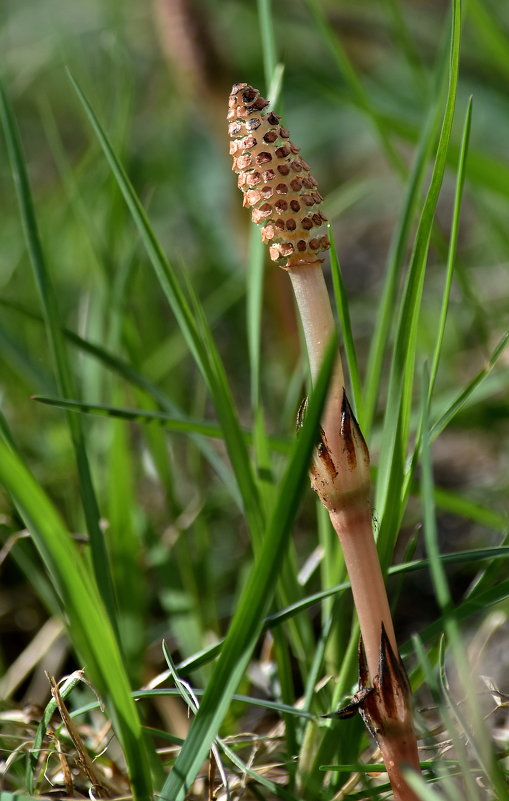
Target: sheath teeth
point(277, 184)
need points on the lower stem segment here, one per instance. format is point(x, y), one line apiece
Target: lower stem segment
point(340, 475)
point(354, 529)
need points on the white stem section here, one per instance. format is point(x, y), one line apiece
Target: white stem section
point(318, 325)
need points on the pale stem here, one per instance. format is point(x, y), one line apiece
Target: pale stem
point(352, 522)
point(318, 325)
point(354, 529)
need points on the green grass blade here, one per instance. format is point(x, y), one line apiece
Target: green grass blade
point(182, 690)
point(65, 689)
point(395, 433)
point(453, 241)
point(198, 338)
point(487, 597)
point(256, 596)
point(125, 547)
point(255, 271)
point(92, 633)
point(230, 427)
point(398, 249)
point(60, 360)
point(341, 301)
point(268, 38)
point(484, 171)
point(440, 583)
point(460, 179)
point(465, 395)
point(479, 738)
point(463, 507)
point(136, 415)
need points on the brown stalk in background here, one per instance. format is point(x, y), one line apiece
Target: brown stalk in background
point(283, 196)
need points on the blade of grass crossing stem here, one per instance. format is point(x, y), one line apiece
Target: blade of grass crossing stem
point(399, 245)
point(255, 275)
point(271, 706)
point(89, 626)
point(182, 425)
point(479, 737)
point(453, 241)
point(205, 353)
point(401, 378)
point(58, 350)
point(485, 597)
point(254, 601)
point(341, 302)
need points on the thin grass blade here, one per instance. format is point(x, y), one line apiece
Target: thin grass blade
point(396, 421)
point(58, 350)
point(248, 619)
point(198, 338)
point(92, 633)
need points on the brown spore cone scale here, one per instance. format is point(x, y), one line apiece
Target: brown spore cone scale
point(275, 180)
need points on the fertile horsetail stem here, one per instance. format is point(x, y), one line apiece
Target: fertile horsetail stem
point(275, 180)
point(284, 200)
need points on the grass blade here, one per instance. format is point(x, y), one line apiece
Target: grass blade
point(269, 51)
point(256, 596)
point(346, 330)
point(466, 393)
point(398, 250)
point(479, 739)
point(204, 352)
point(91, 630)
point(453, 241)
point(57, 346)
point(395, 433)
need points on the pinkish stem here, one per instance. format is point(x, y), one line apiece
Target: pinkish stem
point(354, 529)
